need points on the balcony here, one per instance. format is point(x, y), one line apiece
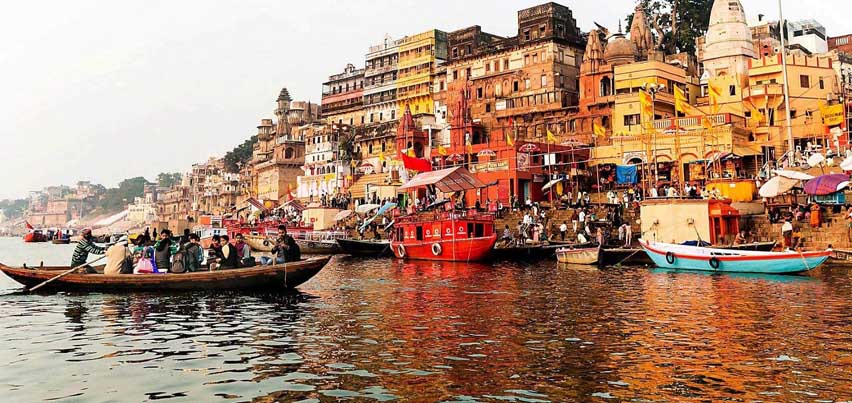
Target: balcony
point(762, 90)
point(693, 122)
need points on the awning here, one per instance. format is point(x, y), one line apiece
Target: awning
point(448, 180)
point(777, 186)
point(551, 183)
point(747, 150)
point(294, 204)
point(257, 204)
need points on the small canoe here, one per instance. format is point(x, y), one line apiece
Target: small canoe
point(281, 277)
point(523, 252)
point(365, 248)
point(578, 256)
point(680, 257)
point(324, 247)
point(62, 241)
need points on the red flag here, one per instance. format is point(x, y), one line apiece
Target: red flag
point(28, 225)
point(417, 164)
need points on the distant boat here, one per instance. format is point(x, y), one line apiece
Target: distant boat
point(523, 252)
point(35, 236)
point(365, 248)
point(682, 257)
point(588, 256)
point(61, 241)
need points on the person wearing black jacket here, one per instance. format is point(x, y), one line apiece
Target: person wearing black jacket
point(163, 251)
point(228, 256)
point(285, 250)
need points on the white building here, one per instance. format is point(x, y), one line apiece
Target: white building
point(809, 34)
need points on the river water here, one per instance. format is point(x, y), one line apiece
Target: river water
point(385, 330)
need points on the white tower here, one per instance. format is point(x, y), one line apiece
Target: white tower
point(728, 46)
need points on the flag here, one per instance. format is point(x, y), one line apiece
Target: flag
point(441, 150)
point(29, 226)
point(352, 164)
point(706, 123)
point(510, 140)
point(381, 156)
point(756, 115)
point(550, 137)
point(598, 129)
point(417, 164)
point(715, 93)
point(681, 102)
point(646, 103)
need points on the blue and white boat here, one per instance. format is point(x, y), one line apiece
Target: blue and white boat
point(682, 257)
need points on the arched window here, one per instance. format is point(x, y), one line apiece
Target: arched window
point(289, 153)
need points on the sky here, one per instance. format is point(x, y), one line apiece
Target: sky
point(106, 90)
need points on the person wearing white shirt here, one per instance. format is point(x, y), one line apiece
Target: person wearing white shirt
point(563, 229)
point(583, 216)
point(654, 193)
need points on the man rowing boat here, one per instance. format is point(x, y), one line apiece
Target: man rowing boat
point(83, 249)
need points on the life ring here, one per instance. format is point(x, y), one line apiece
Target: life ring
point(265, 242)
point(670, 258)
point(436, 249)
point(400, 250)
point(714, 263)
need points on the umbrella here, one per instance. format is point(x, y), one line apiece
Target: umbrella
point(816, 159)
point(529, 148)
point(387, 207)
point(826, 184)
point(366, 208)
point(486, 153)
point(846, 165)
point(776, 186)
point(342, 215)
point(455, 157)
point(793, 174)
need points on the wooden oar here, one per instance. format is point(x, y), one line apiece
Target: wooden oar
point(64, 274)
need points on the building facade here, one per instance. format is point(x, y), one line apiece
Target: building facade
point(343, 97)
point(419, 57)
point(380, 74)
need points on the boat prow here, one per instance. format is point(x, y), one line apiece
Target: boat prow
point(680, 257)
point(281, 277)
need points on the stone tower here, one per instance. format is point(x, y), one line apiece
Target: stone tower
point(594, 56)
point(640, 33)
point(727, 44)
point(283, 125)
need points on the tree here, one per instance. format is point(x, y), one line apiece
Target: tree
point(240, 155)
point(116, 199)
point(166, 179)
point(13, 208)
point(692, 17)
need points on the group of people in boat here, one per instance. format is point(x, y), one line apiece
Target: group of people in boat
point(138, 254)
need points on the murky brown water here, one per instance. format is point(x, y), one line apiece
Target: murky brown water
point(381, 330)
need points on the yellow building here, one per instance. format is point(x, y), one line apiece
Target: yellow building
point(419, 55)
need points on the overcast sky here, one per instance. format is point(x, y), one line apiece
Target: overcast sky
point(105, 90)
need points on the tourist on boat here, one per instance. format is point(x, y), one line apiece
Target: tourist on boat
point(84, 247)
point(118, 257)
point(243, 249)
point(193, 253)
point(741, 238)
point(228, 256)
point(581, 238)
point(285, 249)
point(163, 251)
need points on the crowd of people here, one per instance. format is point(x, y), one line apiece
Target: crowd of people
point(164, 253)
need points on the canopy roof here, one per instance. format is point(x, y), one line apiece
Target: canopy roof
point(448, 180)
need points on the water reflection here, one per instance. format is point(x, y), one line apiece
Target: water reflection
point(381, 330)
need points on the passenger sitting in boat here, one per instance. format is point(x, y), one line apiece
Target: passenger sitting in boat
point(243, 249)
point(193, 254)
point(285, 249)
point(117, 258)
point(228, 256)
point(163, 251)
point(741, 238)
point(84, 247)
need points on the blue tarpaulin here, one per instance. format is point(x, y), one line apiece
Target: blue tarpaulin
point(625, 174)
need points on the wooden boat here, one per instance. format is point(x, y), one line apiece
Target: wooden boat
point(323, 247)
point(259, 243)
point(453, 235)
point(283, 276)
point(365, 248)
point(524, 252)
point(578, 256)
point(35, 236)
point(60, 241)
point(670, 256)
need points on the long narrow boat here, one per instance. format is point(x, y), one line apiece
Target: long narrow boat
point(578, 256)
point(365, 247)
point(670, 256)
point(523, 252)
point(282, 276)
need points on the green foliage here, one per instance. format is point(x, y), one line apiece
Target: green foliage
point(692, 17)
point(116, 199)
point(13, 208)
point(166, 179)
point(240, 155)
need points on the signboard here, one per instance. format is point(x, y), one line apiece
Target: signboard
point(523, 162)
point(500, 105)
point(539, 178)
point(490, 166)
point(549, 159)
point(832, 115)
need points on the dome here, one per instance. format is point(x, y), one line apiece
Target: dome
point(620, 50)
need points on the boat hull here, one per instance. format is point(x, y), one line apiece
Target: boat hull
point(458, 250)
point(365, 248)
point(318, 247)
point(282, 277)
point(586, 256)
point(669, 256)
point(624, 257)
point(259, 243)
point(33, 237)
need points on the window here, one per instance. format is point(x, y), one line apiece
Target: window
point(804, 81)
point(455, 53)
point(792, 113)
point(572, 125)
point(535, 57)
point(419, 233)
point(526, 60)
point(732, 90)
point(479, 92)
point(372, 116)
point(821, 84)
point(527, 84)
point(370, 148)
point(488, 107)
point(498, 90)
point(505, 64)
point(541, 30)
point(393, 115)
point(515, 86)
point(469, 51)
point(380, 116)
point(362, 120)
point(631, 120)
point(383, 147)
point(455, 74)
point(526, 34)
point(289, 152)
point(544, 80)
point(467, 73)
point(441, 85)
point(488, 67)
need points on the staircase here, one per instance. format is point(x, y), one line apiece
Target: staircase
point(833, 231)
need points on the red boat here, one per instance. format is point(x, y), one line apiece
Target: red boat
point(35, 236)
point(452, 235)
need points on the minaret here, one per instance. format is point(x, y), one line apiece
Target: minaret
point(640, 33)
point(727, 45)
point(283, 126)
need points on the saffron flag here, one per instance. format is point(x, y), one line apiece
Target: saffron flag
point(681, 102)
point(510, 140)
point(756, 115)
point(416, 164)
point(468, 145)
point(550, 137)
point(381, 156)
point(706, 123)
point(441, 150)
point(715, 93)
point(598, 129)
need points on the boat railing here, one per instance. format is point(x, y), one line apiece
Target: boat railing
point(446, 215)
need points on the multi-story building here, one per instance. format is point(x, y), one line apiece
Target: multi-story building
point(419, 57)
point(325, 174)
point(174, 205)
point(343, 97)
point(380, 103)
point(842, 43)
point(809, 34)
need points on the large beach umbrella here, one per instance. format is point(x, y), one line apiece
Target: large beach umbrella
point(486, 153)
point(826, 184)
point(342, 215)
point(529, 148)
point(455, 158)
point(793, 174)
point(366, 208)
point(776, 186)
